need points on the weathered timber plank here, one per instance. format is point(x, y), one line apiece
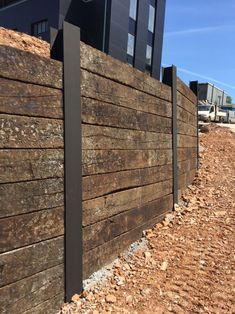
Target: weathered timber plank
point(106, 253)
point(105, 207)
point(186, 179)
point(186, 129)
point(187, 117)
point(100, 88)
point(24, 197)
point(30, 260)
point(30, 100)
point(101, 113)
point(186, 141)
point(100, 161)
point(186, 91)
point(98, 185)
point(22, 165)
point(106, 230)
point(186, 153)
point(26, 67)
point(27, 293)
point(185, 104)
point(99, 63)
point(187, 165)
point(18, 231)
point(50, 306)
point(98, 137)
point(30, 132)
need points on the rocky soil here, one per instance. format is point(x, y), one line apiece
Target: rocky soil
point(24, 42)
point(188, 265)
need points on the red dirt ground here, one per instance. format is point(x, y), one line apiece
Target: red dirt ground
point(189, 266)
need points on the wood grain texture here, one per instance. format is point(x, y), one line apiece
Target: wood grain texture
point(187, 165)
point(31, 196)
point(186, 91)
point(186, 153)
point(100, 88)
point(186, 179)
point(186, 105)
point(106, 253)
point(49, 306)
point(101, 161)
point(23, 165)
point(25, 294)
point(30, 132)
point(186, 129)
point(105, 207)
point(106, 138)
point(186, 141)
point(18, 231)
point(112, 227)
point(97, 62)
point(106, 114)
point(30, 100)
point(26, 67)
point(98, 185)
point(187, 117)
point(31, 260)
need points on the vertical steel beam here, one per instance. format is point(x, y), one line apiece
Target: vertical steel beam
point(65, 46)
point(170, 79)
point(73, 161)
point(194, 87)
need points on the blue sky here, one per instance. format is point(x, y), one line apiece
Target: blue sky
point(200, 40)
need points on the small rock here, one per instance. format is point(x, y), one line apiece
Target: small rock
point(110, 298)
point(75, 298)
point(120, 281)
point(204, 129)
point(164, 266)
point(220, 213)
point(129, 299)
point(145, 292)
point(147, 256)
point(177, 208)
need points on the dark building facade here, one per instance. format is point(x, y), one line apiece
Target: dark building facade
point(129, 30)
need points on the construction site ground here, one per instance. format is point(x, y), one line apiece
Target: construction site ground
point(188, 264)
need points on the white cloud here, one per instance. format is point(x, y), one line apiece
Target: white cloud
point(204, 77)
point(190, 31)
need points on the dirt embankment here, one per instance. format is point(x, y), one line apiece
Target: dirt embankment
point(24, 42)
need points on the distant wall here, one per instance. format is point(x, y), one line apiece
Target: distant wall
point(126, 165)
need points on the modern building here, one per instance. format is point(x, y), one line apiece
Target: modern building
point(129, 30)
point(211, 94)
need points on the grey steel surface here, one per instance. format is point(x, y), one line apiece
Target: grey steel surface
point(73, 161)
point(65, 46)
point(170, 79)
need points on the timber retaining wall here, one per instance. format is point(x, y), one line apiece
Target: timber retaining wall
point(126, 167)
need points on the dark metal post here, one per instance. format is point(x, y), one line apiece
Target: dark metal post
point(194, 87)
point(67, 46)
point(170, 79)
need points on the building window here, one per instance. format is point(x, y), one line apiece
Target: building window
point(39, 28)
point(148, 63)
point(132, 32)
point(130, 45)
point(133, 9)
point(151, 20)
